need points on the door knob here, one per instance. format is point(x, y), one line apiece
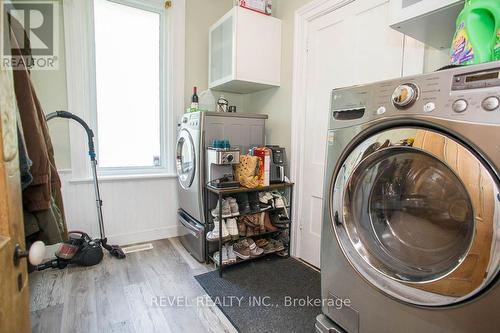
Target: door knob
point(35, 255)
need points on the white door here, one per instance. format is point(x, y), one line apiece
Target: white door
point(347, 46)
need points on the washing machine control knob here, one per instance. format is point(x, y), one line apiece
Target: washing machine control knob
point(405, 95)
point(460, 105)
point(491, 103)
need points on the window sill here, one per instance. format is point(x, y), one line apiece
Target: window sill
point(114, 178)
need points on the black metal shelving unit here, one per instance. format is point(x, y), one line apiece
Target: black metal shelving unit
point(221, 194)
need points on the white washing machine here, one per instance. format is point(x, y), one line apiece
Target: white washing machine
point(411, 228)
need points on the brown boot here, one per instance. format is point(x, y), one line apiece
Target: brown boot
point(242, 228)
point(267, 223)
point(262, 227)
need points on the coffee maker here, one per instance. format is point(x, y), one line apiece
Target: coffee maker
point(219, 167)
point(278, 164)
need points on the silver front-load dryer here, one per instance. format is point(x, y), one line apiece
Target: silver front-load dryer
point(188, 165)
point(411, 226)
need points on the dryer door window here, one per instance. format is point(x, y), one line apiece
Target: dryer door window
point(417, 216)
point(185, 159)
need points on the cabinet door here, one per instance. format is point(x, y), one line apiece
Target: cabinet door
point(221, 57)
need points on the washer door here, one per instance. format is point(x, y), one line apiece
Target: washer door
point(416, 214)
point(185, 159)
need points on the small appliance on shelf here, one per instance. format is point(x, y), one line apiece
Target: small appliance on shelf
point(219, 166)
point(278, 164)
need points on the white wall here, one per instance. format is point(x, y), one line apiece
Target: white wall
point(435, 59)
point(51, 91)
point(200, 15)
point(134, 210)
point(277, 102)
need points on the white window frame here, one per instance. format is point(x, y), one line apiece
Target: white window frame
point(80, 71)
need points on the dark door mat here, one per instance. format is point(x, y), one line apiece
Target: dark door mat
point(289, 293)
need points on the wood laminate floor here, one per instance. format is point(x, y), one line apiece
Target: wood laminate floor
point(149, 291)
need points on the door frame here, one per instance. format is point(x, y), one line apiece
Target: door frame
point(413, 62)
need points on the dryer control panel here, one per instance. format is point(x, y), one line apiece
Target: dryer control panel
point(469, 94)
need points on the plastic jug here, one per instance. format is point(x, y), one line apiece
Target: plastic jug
point(477, 38)
point(207, 100)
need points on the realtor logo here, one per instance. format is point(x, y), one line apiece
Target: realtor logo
point(30, 35)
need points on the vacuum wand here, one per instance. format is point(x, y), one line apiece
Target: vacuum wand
point(115, 250)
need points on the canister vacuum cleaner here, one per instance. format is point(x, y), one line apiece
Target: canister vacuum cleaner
point(81, 249)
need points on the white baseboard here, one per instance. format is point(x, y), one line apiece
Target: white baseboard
point(144, 235)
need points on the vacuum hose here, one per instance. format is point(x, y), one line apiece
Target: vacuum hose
point(90, 133)
point(115, 250)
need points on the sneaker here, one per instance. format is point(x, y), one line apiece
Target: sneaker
point(255, 251)
point(266, 198)
point(226, 210)
point(233, 206)
point(278, 245)
point(279, 200)
point(243, 204)
point(225, 232)
point(269, 248)
point(241, 249)
point(279, 219)
point(216, 257)
point(232, 228)
point(225, 259)
point(231, 256)
point(251, 244)
point(213, 235)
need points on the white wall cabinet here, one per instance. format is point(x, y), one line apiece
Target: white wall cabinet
point(429, 21)
point(244, 52)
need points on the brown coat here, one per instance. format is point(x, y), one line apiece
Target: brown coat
point(46, 183)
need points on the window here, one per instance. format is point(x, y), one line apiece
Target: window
point(125, 77)
point(128, 90)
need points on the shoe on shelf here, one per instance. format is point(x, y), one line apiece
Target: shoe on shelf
point(250, 232)
point(214, 235)
point(216, 257)
point(241, 249)
point(269, 248)
point(242, 228)
point(284, 237)
point(262, 223)
point(282, 253)
point(231, 256)
point(226, 210)
point(250, 243)
point(266, 198)
point(242, 202)
point(233, 206)
point(278, 245)
point(269, 227)
point(232, 228)
point(261, 242)
point(255, 251)
point(280, 201)
point(225, 259)
point(279, 219)
point(253, 198)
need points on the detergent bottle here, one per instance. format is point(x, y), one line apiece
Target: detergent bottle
point(477, 38)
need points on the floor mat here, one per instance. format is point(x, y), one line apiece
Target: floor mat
point(271, 294)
